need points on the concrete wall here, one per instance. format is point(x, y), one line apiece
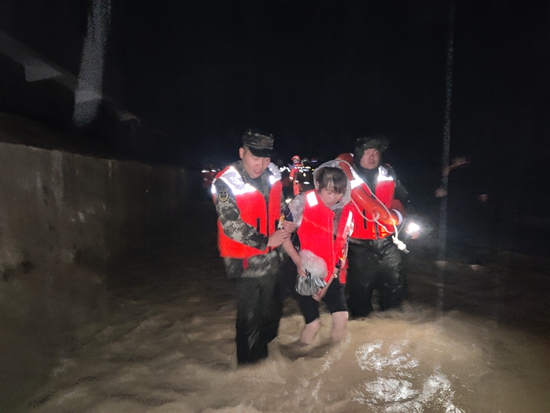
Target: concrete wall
point(64, 219)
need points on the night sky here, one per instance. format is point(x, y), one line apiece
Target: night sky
point(319, 74)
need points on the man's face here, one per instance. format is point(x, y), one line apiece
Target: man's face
point(370, 159)
point(253, 165)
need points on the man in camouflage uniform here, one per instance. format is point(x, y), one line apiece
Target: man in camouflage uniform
point(248, 199)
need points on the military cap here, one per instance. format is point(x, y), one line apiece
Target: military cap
point(259, 143)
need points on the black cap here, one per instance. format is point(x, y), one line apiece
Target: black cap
point(259, 143)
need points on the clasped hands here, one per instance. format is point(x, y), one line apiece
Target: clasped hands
point(281, 235)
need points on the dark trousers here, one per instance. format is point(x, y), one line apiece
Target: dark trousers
point(374, 265)
point(259, 310)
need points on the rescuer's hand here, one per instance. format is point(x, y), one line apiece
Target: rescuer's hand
point(278, 237)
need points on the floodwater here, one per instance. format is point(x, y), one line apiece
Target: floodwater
point(467, 340)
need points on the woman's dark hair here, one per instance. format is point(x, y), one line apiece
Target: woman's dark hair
point(332, 178)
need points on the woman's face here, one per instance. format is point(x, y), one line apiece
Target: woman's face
point(329, 197)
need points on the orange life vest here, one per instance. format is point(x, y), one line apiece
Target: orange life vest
point(365, 225)
point(254, 211)
point(316, 233)
point(387, 210)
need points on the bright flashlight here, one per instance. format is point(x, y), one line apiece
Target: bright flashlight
point(412, 228)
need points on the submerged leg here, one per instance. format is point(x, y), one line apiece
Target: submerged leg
point(310, 331)
point(339, 326)
point(250, 345)
point(393, 281)
point(361, 278)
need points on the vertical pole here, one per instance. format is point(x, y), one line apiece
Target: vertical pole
point(446, 150)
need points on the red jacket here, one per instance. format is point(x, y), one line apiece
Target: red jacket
point(316, 233)
point(365, 226)
point(254, 211)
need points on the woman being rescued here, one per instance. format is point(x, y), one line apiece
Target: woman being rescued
point(324, 220)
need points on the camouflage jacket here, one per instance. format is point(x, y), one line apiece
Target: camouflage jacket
point(235, 228)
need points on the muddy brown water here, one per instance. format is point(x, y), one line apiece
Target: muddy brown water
point(467, 340)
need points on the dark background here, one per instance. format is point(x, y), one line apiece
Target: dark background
point(319, 74)
point(315, 74)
